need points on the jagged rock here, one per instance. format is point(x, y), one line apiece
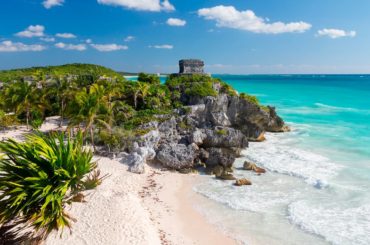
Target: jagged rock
point(276, 123)
point(150, 139)
point(216, 110)
point(253, 167)
point(224, 137)
point(241, 182)
point(197, 137)
point(261, 137)
point(138, 158)
point(237, 151)
point(136, 163)
point(218, 170)
point(176, 156)
point(248, 166)
point(259, 170)
point(229, 170)
point(168, 131)
point(220, 156)
point(203, 155)
point(225, 176)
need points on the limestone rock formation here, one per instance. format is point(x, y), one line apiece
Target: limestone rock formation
point(139, 157)
point(177, 156)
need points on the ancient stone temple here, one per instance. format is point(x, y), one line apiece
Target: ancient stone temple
point(191, 66)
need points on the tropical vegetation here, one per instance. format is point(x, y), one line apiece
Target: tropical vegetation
point(39, 177)
point(97, 100)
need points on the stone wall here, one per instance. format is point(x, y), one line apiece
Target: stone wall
point(191, 66)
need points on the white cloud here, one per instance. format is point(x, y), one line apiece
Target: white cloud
point(47, 39)
point(66, 46)
point(164, 46)
point(109, 47)
point(88, 41)
point(129, 38)
point(176, 22)
point(141, 5)
point(65, 35)
point(9, 46)
point(52, 3)
point(32, 31)
point(336, 33)
point(228, 16)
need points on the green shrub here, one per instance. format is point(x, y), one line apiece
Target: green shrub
point(147, 78)
point(227, 89)
point(184, 125)
point(265, 108)
point(146, 116)
point(39, 177)
point(201, 89)
point(221, 132)
point(249, 98)
point(36, 123)
point(117, 139)
point(7, 120)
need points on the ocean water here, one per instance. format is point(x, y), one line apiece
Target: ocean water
point(317, 188)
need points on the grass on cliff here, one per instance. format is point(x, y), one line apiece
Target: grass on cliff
point(250, 98)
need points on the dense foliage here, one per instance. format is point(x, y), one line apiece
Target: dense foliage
point(42, 73)
point(99, 101)
point(39, 177)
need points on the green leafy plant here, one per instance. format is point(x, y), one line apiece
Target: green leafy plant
point(7, 120)
point(39, 177)
point(222, 132)
point(148, 78)
point(249, 98)
point(227, 89)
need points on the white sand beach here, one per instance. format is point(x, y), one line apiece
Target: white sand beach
point(152, 208)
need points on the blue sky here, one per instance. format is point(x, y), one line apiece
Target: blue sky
point(231, 36)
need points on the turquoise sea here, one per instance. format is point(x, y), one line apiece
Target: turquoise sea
point(317, 188)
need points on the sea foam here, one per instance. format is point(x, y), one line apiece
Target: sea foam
point(334, 223)
point(279, 154)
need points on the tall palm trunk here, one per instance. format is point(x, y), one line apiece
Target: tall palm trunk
point(92, 137)
point(28, 117)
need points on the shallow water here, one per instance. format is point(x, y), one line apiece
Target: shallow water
point(317, 189)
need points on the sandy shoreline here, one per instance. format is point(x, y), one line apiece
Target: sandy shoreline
point(152, 208)
point(156, 207)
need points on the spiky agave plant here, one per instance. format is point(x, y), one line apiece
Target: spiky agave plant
point(39, 177)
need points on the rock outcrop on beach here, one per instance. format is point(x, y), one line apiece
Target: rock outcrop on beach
point(210, 131)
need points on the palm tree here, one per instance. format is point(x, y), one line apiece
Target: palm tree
point(24, 97)
point(64, 91)
point(140, 91)
point(90, 103)
point(112, 90)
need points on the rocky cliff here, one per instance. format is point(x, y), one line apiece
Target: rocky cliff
point(209, 131)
